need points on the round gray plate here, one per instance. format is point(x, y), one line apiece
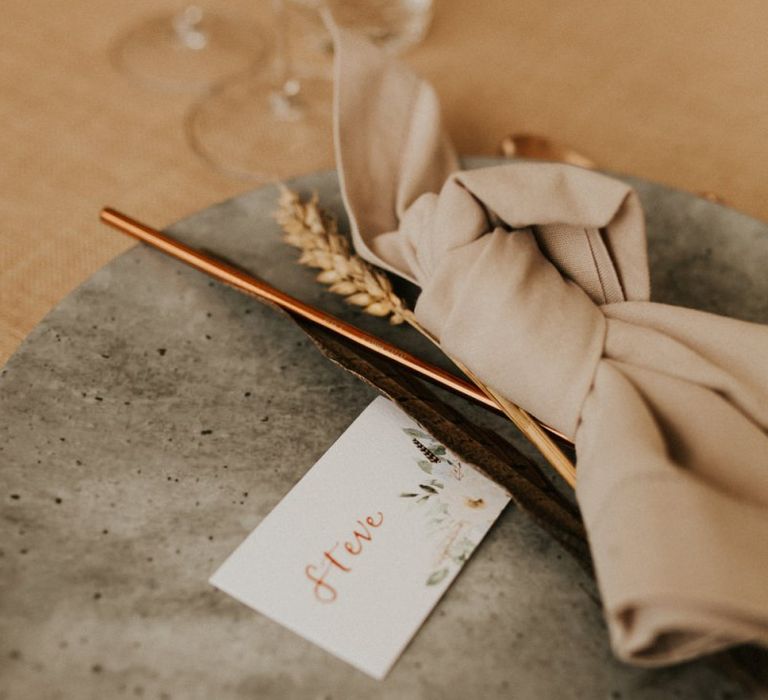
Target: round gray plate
point(155, 417)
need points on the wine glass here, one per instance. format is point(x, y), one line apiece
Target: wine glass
point(189, 50)
point(267, 126)
point(264, 125)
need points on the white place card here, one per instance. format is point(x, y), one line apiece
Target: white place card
point(358, 553)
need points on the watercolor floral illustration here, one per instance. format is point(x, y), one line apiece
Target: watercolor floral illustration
point(453, 496)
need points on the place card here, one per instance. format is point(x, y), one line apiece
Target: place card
point(358, 553)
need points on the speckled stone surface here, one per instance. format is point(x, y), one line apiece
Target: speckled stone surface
point(153, 419)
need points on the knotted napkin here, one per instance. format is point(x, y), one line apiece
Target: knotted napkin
point(535, 276)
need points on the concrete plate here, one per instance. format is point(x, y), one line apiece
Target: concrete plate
point(154, 417)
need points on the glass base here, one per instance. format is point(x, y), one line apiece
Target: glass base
point(249, 129)
point(189, 51)
point(395, 25)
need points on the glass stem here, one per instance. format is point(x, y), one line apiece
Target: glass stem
point(287, 82)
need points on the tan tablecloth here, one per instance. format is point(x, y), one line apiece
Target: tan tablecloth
point(673, 92)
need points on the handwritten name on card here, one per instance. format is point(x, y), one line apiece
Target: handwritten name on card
point(358, 553)
point(324, 592)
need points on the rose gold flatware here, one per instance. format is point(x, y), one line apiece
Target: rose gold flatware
point(243, 282)
point(252, 286)
point(535, 147)
point(542, 148)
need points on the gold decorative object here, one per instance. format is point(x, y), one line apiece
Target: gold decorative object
point(537, 147)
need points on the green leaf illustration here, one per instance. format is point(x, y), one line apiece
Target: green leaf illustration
point(408, 495)
point(427, 488)
point(417, 433)
point(437, 576)
point(425, 465)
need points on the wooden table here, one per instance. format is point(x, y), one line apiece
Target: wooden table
point(673, 92)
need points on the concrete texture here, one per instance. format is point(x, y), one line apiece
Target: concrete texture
point(154, 417)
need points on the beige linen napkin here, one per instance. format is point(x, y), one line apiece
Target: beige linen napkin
point(535, 276)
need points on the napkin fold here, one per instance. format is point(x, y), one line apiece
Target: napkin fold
point(535, 276)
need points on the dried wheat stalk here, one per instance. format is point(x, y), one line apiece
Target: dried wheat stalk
point(313, 231)
point(310, 229)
